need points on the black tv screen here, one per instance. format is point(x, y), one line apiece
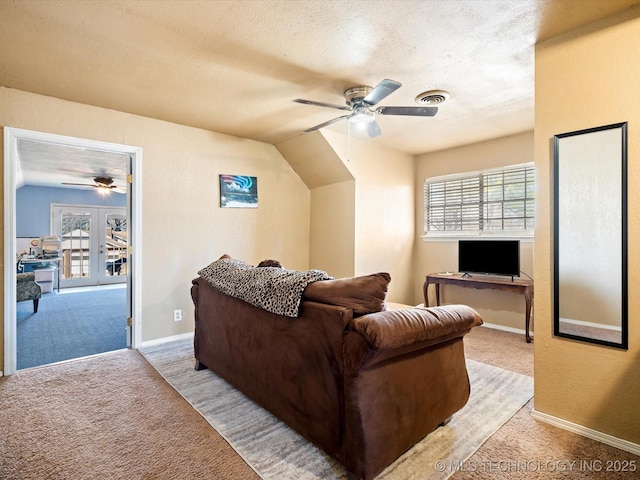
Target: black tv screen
point(489, 257)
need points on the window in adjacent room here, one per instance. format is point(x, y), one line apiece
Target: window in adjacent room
point(498, 202)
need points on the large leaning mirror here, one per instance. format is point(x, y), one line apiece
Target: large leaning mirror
point(590, 235)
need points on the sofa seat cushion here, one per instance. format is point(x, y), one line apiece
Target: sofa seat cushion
point(365, 294)
point(398, 328)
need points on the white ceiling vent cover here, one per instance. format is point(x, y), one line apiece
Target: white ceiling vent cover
point(433, 97)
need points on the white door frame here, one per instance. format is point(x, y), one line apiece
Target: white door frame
point(11, 137)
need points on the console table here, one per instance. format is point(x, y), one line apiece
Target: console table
point(524, 287)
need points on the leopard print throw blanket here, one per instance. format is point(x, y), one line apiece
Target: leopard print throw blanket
point(274, 289)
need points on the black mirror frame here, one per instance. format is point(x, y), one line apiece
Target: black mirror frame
point(624, 343)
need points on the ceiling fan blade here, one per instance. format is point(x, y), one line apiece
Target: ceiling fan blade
point(381, 91)
point(413, 111)
point(325, 124)
point(106, 186)
point(373, 129)
point(321, 104)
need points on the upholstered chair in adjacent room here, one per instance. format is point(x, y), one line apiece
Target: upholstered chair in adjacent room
point(28, 289)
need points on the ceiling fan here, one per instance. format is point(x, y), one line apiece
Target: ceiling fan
point(359, 101)
point(105, 183)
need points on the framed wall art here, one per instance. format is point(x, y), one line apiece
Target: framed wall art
point(238, 191)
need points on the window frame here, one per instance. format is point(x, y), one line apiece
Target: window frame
point(524, 234)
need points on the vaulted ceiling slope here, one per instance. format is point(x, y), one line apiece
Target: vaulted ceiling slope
point(234, 66)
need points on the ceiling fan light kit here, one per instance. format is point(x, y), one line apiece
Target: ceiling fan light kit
point(359, 101)
point(363, 116)
point(104, 182)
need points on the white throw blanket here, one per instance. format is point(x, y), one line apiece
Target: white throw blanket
point(274, 289)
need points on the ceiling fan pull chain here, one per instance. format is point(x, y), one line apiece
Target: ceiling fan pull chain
point(348, 142)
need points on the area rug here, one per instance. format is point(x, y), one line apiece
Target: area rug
point(277, 452)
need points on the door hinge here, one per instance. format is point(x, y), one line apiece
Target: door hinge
point(129, 178)
point(129, 322)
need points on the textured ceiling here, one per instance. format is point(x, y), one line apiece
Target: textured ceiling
point(235, 66)
point(52, 165)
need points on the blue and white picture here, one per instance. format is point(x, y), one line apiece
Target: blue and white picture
point(238, 191)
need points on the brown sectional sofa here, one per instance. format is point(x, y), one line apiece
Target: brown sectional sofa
point(363, 385)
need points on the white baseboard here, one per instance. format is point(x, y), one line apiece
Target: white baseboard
point(591, 324)
point(505, 329)
point(160, 341)
point(605, 438)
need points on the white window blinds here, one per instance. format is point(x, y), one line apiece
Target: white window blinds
point(492, 201)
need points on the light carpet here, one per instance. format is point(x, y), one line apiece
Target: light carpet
point(277, 452)
point(106, 417)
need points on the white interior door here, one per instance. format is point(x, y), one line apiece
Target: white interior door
point(93, 244)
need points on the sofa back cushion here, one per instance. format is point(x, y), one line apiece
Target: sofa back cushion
point(365, 294)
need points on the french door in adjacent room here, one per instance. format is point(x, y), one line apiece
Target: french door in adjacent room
point(93, 244)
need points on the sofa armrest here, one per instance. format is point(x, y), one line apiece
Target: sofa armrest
point(400, 328)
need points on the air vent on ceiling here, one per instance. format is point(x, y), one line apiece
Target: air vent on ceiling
point(432, 97)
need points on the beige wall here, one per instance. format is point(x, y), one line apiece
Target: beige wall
point(362, 207)
point(183, 229)
point(384, 211)
point(500, 308)
point(586, 80)
point(332, 186)
point(332, 242)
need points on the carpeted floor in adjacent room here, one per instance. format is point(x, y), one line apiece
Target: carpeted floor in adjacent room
point(71, 325)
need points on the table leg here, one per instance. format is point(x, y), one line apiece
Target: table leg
point(527, 298)
point(425, 290)
point(437, 294)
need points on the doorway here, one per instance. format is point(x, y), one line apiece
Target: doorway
point(112, 257)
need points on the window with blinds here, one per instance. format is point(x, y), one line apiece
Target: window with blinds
point(495, 201)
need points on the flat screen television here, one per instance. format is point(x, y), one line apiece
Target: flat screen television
point(489, 257)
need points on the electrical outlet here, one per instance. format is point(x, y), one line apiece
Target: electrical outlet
point(177, 315)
